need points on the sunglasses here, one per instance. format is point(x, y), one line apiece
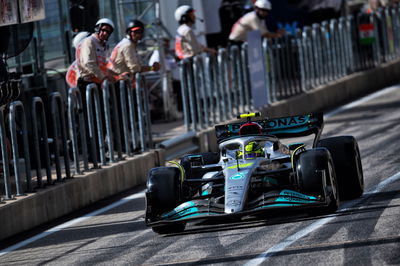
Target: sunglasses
point(106, 30)
point(137, 31)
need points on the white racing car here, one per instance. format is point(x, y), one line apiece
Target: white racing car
point(254, 172)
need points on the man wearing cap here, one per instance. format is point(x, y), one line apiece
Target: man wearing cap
point(254, 20)
point(124, 60)
point(91, 55)
point(186, 43)
point(91, 59)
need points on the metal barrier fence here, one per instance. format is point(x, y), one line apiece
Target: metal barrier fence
point(115, 122)
point(104, 129)
point(217, 89)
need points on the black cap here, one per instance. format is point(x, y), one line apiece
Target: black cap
point(134, 24)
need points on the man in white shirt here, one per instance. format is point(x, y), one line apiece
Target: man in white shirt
point(186, 43)
point(254, 20)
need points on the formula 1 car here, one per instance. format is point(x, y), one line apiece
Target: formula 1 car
point(254, 173)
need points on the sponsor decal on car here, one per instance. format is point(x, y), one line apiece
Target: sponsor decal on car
point(233, 203)
point(238, 176)
point(293, 196)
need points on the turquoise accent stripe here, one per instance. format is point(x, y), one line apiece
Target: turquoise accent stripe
point(280, 205)
point(205, 193)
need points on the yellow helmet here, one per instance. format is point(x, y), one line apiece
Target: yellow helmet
point(252, 150)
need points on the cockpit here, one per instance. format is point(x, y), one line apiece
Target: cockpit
point(248, 148)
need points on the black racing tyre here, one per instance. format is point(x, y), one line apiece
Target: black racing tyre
point(208, 158)
point(163, 191)
point(169, 228)
point(309, 167)
point(347, 160)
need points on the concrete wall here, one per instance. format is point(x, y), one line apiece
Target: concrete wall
point(45, 205)
point(50, 203)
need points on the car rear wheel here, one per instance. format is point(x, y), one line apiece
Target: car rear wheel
point(311, 165)
point(347, 161)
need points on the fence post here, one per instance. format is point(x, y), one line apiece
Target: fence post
point(201, 98)
point(123, 88)
point(316, 40)
point(4, 155)
point(38, 110)
point(132, 115)
point(184, 90)
point(246, 78)
point(233, 88)
point(111, 123)
point(58, 119)
point(302, 63)
point(92, 94)
point(211, 89)
point(17, 108)
point(223, 83)
point(75, 106)
point(143, 114)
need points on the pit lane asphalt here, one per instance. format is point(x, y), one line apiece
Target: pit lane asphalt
point(363, 232)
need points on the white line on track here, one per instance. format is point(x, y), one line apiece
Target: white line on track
point(318, 224)
point(71, 223)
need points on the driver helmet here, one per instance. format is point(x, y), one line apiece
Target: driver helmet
point(252, 151)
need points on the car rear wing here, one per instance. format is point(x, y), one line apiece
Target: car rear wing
point(281, 127)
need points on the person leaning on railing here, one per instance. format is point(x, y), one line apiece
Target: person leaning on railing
point(91, 60)
point(251, 21)
point(186, 43)
point(92, 55)
point(124, 60)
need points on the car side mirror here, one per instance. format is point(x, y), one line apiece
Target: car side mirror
point(196, 160)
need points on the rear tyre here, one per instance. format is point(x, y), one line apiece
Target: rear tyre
point(347, 161)
point(310, 167)
point(163, 195)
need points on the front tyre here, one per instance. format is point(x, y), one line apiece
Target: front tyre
point(311, 166)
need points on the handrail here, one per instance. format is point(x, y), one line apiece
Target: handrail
point(93, 100)
point(75, 107)
point(58, 119)
point(39, 116)
point(17, 110)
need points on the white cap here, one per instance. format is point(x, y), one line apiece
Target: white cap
point(263, 4)
point(182, 10)
point(79, 38)
point(105, 21)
